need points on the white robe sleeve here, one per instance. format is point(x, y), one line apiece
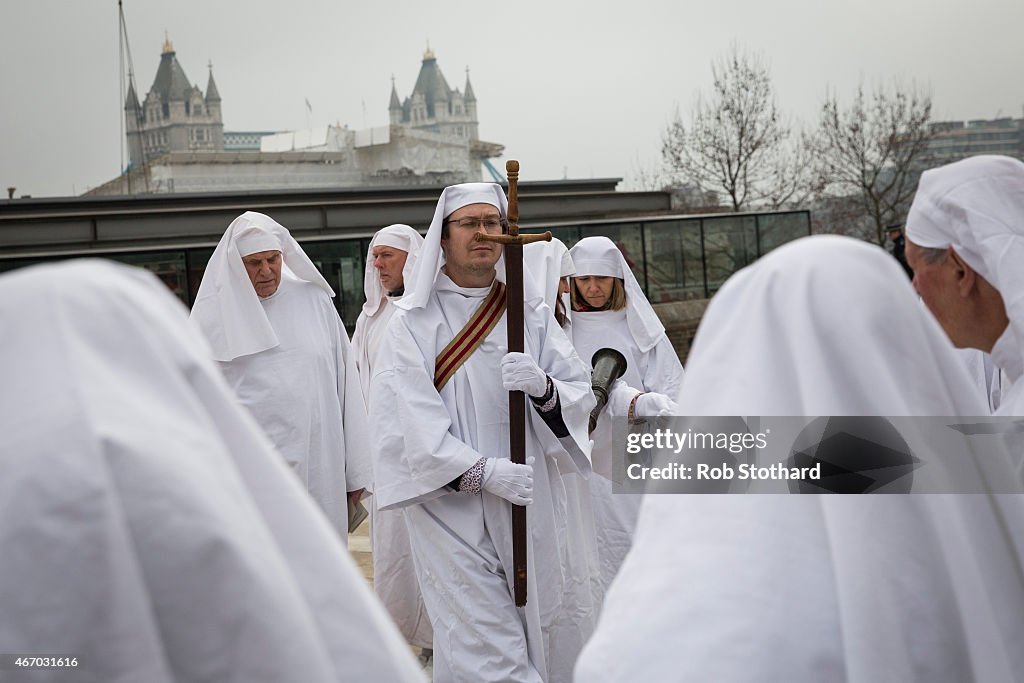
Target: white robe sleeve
point(664, 371)
point(411, 465)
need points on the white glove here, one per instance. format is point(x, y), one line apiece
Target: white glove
point(653, 404)
point(510, 481)
point(519, 372)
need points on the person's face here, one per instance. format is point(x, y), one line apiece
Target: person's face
point(937, 285)
point(389, 263)
point(563, 285)
point(264, 269)
point(596, 289)
point(464, 254)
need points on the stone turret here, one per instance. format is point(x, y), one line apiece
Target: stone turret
point(395, 106)
point(470, 102)
point(175, 115)
point(434, 106)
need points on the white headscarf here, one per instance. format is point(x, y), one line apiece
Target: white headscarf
point(453, 198)
point(400, 237)
point(976, 206)
point(159, 535)
point(227, 308)
point(547, 263)
point(599, 256)
point(795, 338)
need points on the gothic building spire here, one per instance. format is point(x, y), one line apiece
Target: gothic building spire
point(212, 94)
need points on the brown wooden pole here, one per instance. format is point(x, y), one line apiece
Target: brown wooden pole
point(516, 399)
point(513, 243)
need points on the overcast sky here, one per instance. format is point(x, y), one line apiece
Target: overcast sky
point(576, 88)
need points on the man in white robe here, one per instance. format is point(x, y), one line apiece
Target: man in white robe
point(808, 588)
point(390, 260)
point(965, 242)
point(150, 528)
point(266, 312)
point(441, 448)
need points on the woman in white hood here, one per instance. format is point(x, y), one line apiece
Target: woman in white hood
point(609, 310)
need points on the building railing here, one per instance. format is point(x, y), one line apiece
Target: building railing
point(674, 257)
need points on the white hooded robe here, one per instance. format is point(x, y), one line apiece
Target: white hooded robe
point(652, 364)
point(150, 528)
point(394, 576)
point(425, 440)
point(288, 358)
point(809, 588)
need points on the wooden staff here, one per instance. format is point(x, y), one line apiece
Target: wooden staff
point(513, 243)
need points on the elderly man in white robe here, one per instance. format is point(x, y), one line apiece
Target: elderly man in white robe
point(965, 242)
point(390, 260)
point(151, 530)
point(808, 588)
point(440, 406)
point(266, 312)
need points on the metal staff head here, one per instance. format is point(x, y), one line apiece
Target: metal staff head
point(608, 366)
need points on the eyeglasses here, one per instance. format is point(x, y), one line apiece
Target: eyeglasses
point(489, 223)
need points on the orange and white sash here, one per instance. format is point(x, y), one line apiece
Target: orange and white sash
point(470, 336)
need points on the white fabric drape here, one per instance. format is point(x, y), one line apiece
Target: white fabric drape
point(377, 311)
point(652, 364)
point(227, 309)
point(425, 439)
point(150, 528)
point(394, 576)
point(828, 587)
point(546, 263)
point(306, 396)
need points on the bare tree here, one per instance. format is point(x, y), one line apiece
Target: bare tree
point(736, 143)
point(874, 150)
point(644, 176)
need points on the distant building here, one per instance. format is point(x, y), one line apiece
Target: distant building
point(955, 140)
point(177, 142)
point(175, 116)
point(435, 107)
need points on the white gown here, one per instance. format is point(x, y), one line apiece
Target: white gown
point(808, 588)
point(462, 543)
point(305, 395)
point(150, 528)
point(658, 370)
point(394, 576)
